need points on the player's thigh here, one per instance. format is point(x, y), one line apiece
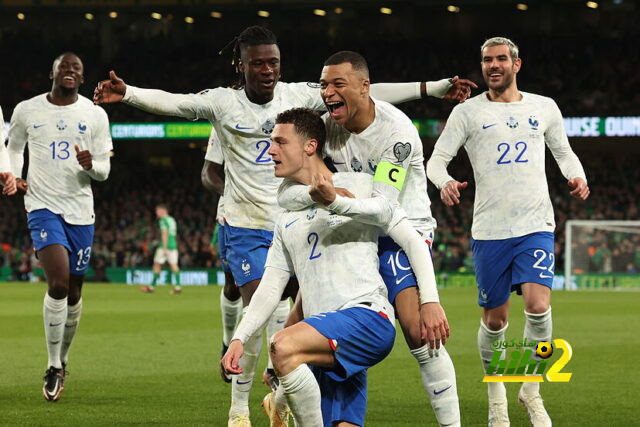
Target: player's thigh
point(394, 268)
point(51, 244)
point(247, 253)
point(173, 258)
point(159, 258)
point(492, 261)
point(407, 305)
point(301, 343)
point(81, 244)
point(533, 270)
point(55, 263)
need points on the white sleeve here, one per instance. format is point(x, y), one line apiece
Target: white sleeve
point(277, 272)
point(294, 196)
point(17, 141)
point(452, 138)
point(417, 251)
point(263, 303)
point(557, 141)
point(5, 165)
point(214, 149)
point(310, 92)
point(100, 168)
point(376, 210)
point(190, 106)
point(395, 93)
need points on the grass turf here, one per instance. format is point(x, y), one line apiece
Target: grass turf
point(153, 359)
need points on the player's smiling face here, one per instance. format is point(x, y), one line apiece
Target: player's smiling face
point(261, 68)
point(498, 68)
point(343, 91)
point(287, 150)
point(67, 72)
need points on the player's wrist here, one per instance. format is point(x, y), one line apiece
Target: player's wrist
point(439, 88)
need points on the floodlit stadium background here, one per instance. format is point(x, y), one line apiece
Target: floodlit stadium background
point(582, 54)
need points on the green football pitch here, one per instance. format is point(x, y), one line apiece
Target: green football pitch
point(153, 359)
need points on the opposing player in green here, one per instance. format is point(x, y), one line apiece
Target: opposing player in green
point(167, 251)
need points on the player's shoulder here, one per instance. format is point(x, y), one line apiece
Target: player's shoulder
point(472, 104)
point(390, 112)
point(87, 105)
point(360, 184)
point(393, 121)
point(28, 104)
point(533, 98)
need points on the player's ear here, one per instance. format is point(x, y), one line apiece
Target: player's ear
point(517, 64)
point(51, 75)
point(366, 85)
point(310, 147)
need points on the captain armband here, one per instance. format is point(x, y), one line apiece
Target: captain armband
point(390, 174)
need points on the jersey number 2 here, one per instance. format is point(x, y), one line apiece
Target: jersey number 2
point(263, 157)
point(312, 239)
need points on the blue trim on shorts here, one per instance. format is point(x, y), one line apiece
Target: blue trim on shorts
point(47, 228)
point(247, 252)
point(502, 266)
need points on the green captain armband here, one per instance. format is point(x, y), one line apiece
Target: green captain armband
point(390, 174)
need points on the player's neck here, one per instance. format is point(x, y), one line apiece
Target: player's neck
point(510, 94)
point(62, 97)
point(363, 117)
point(258, 98)
point(315, 165)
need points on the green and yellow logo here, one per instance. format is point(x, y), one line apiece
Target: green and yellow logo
point(520, 366)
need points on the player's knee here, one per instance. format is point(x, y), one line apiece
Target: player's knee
point(231, 291)
point(281, 349)
point(496, 323)
point(537, 307)
point(58, 287)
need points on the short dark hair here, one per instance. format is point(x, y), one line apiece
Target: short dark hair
point(162, 206)
point(307, 123)
point(356, 60)
point(256, 35)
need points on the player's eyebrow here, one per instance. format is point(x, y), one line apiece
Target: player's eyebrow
point(337, 79)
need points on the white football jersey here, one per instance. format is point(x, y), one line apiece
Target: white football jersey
point(214, 154)
point(392, 138)
point(506, 147)
point(56, 180)
point(334, 257)
point(244, 130)
point(5, 166)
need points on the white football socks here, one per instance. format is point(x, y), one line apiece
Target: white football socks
point(55, 314)
point(439, 382)
point(537, 327)
point(276, 323)
point(241, 384)
point(303, 395)
point(231, 314)
point(71, 325)
point(485, 338)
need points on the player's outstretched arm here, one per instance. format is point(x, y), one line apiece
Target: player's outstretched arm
point(396, 93)
point(189, 106)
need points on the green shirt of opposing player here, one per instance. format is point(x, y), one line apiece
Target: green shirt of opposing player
point(168, 224)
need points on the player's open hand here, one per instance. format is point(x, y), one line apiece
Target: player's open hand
point(580, 188)
point(322, 190)
point(22, 185)
point(450, 193)
point(109, 91)
point(230, 360)
point(84, 158)
point(8, 182)
point(434, 325)
point(460, 89)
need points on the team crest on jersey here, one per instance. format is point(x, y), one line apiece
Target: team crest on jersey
point(372, 165)
point(401, 151)
point(61, 125)
point(356, 165)
point(246, 267)
point(268, 126)
point(533, 122)
point(483, 295)
point(43, 235)
point(312, 213)
point(82, 127)
point(512, 122)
